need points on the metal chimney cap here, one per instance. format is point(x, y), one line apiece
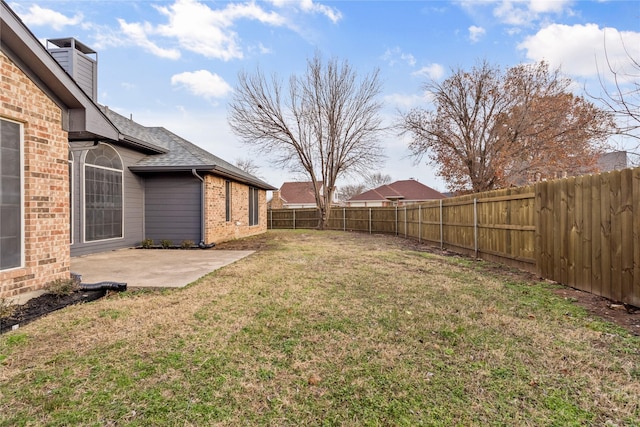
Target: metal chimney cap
point(71, 42)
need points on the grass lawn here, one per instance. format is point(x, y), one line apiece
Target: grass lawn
point(326, 328)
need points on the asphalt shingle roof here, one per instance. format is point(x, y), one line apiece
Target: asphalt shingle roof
point(298, 192)
point(176, 152)
point(408, 190)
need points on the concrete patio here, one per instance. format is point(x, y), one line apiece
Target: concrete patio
point(147, 268)
point(152, 268)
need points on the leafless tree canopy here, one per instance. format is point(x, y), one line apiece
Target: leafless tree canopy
point(623, 100)
point(248, 165)
point(371, 181)
point(325, 123)
point(376, 179)
point(491, 129)
point(345, 192)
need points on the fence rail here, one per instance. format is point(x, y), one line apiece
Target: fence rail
point(583, 231)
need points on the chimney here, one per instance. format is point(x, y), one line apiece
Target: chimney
point(75, 59)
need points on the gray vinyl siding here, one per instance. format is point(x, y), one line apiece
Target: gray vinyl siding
point(173, 208)
point(83, 69)
point(133, 207)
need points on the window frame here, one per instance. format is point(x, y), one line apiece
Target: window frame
point(227, 200)
point(254, 206)
point(71, 198)
point(84, 195)
point(21, 209)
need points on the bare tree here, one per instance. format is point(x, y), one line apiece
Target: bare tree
point(492, 129)
point(248, 165)
point(376, 180)
point(371, 181)
point(325, 125)
point(345, 192)
point(623, 100)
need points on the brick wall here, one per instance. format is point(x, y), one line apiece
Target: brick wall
point(276, 200)
point(217, 229)
point(46, 183)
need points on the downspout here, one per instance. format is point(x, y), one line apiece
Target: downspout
point(202, 200)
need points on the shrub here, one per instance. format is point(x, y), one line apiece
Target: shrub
point(186, 244)
point(7, 308)
point(165, 243)
point(147, 243)
point(62, 287)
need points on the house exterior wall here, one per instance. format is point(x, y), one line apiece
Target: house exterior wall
point(217, 229)
point(371, 204)
point(133, 206)
point(173, 208)
point(46, 185)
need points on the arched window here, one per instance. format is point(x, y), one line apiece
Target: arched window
point(103, 194)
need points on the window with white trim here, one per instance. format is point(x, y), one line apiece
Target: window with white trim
point(11, 212)
point(253, 205)
point(103, 194)
point(70, 197)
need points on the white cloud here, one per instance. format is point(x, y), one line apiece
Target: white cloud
point(475, 33)
point(203, 83)
point(207, 31)
point(525, 12)
point(333, 14)
point(137, 33)
point(432, 71)
point(519, 12)
point(309, 6)
point(405, 102)
point(40, 17)
point(580, 49)
point(392, 56)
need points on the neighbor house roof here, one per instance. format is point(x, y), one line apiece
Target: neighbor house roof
point(407, 190)
point(298, 193)
point(173, 153)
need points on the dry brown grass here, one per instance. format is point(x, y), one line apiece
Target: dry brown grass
point(325, 328)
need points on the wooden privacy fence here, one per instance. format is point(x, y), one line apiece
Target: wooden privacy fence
point(582, 231)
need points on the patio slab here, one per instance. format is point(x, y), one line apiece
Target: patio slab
point(152, 268)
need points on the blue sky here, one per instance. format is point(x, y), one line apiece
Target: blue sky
point(174, 63)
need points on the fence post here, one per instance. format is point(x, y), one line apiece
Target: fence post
point(344, 219)
point(441, 228)
point(405, 221)
point(420, 223)
point(396, 220)
point(369, 220)
point(475, 225)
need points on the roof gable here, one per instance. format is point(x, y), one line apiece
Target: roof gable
point(173, 153)
point(407, 190)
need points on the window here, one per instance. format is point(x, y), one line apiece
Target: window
point(70, 197)
point(10, 195)
point(103, 194)
point(227, 200)
point(253, 205)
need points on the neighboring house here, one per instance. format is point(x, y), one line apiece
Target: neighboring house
point(77, 178)
point(294, 195)
point(399, 193)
